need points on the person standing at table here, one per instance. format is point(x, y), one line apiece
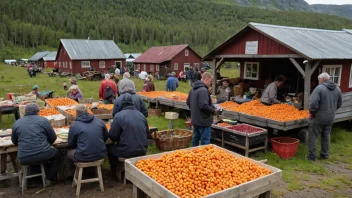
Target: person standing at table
point(202, 110)
point(107, 90)
point(87, 136)
point(172, 82)
point(269, 95)
point(34, 136)
point(129, 132)
point(148, 84)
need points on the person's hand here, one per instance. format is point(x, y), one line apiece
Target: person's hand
point(216, 111)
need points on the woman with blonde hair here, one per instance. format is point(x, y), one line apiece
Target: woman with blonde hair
point(74, 93)
point(148, 84)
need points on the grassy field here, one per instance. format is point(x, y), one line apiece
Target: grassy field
point(331, 177)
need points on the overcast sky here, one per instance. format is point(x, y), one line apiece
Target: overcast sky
point(339, 2)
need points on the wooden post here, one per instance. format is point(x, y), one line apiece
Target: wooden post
point(307, 78)
point(214, 77)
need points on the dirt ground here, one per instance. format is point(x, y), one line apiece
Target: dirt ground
point(62, 190)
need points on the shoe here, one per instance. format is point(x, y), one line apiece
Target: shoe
point(324, 157)
point(311, 159)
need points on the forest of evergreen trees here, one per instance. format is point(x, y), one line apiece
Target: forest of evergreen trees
point(136, 25)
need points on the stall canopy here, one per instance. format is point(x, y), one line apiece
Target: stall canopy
point(298, 45)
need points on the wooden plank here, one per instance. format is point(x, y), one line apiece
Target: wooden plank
point(294, 122)
point(346, 103)
point(220, 63)
point(154, 189)
point(314, 67)
point(347, 94)
point(260, 56)
point(299, 68)
point(231, 114)
point(214, 77)
point(6, 176)
point(346, 98)
point(307, 82)
point(283, 124)
point(248, 119)
point(343, 117)
point(286, 128)
point(344, 109)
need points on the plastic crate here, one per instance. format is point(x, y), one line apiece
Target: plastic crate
point(285, 147)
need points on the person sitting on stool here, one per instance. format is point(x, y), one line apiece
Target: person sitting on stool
point(33, 134)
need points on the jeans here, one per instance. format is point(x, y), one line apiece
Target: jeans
point(315, 130)
point(190, 82)
point(201, 133)
point(52, 157)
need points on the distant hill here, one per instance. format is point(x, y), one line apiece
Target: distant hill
point(338, 10)
point(294, 5)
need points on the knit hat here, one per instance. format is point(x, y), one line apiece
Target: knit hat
point(127, 85)
point(107, 76)
point(35, 87)
point(126, 100)
point(31, 109)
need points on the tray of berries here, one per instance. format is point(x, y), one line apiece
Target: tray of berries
point(245, 130)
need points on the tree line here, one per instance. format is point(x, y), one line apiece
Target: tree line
point(136, 25)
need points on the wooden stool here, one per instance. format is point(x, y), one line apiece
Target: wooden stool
point(22, 176)
point(120, 170)
point(77, 178)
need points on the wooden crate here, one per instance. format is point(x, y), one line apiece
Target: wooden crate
point(165, 101)
point(70, 118)
point(143, 184)
point(285, 126)
point(231, 114)
point(255, 120)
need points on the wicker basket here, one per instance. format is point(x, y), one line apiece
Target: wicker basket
point(154, 112)
point(169, 140)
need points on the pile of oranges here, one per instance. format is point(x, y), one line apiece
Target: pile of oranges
point(200, 171)
point(54, 102)
point(102, 106)
point(170, 95)
point(278, 112)
point(224, 124)
point(228, 104)
point(48, 112)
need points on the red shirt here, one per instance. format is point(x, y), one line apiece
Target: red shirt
point(103, 86)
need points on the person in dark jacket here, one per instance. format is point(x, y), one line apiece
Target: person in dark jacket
point(172, 82)
point(323, 104)
point(130, 130)
point(33, 134)
point(127, 86)
point(202, 110)
point(189, 76)
point(196, 75)
point(87, 137)
point(148, 85)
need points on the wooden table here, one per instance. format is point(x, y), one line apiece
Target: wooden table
point(144, 185)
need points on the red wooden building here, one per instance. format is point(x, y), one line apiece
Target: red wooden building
point(167, 59)
point(37, 58)
point(48, 61)
point(76, 55)
point(300, 54)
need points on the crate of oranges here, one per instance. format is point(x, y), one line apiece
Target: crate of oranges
point(204, 171)
point(55, 102)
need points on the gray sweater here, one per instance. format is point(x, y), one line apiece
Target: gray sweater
point(269, 95)
point(324, 101)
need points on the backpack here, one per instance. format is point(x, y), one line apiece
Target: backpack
point(109, 94)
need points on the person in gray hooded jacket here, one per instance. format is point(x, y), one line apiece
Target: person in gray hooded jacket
point(127, 86)
point(323, 104)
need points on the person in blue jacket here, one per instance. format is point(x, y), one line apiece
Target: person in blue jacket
point(87, 137)
point(34, 136)
point(129, 132)
point(172, 82)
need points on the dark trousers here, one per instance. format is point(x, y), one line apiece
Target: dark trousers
point(315, 130)
point(52, 158)
point(201, 133)
point(114, 156)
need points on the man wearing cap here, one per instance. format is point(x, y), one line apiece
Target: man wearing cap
point(35, 91)
point(323, 104)
point(33, 134)
point(127, 86)
point(107, 90)
point(87, 136)
point(130, 130)
point(172, 82)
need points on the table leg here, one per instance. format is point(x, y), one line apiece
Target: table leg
point(247, 146)
point(267, 194)
point(13, 157)
point(3, 163)
point(138, 193)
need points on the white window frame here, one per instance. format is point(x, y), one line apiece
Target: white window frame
point(85, 64)
point(139, 66)
point(59, 64)
point(186, 65)
point(245, 71)
point(70, 65)
point(350, 84)
point(157, 67)
point(151, 68)
point(333, 76)
point(175, 66)
point(186, 52)
point(66, 65)
point(144, 67)
point(101, 65)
